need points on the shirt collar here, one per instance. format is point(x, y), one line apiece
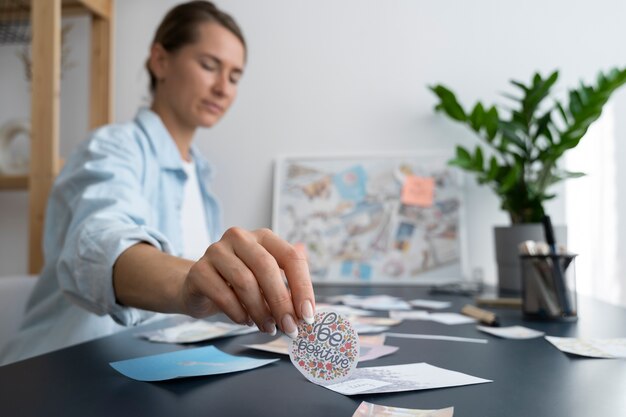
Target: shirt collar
point(164, 146)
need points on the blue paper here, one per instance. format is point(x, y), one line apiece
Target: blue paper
point(206, 360)
point(351, 183)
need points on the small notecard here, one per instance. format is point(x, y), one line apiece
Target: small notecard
point(206, 360)
point(511, 332)
point(373, 410)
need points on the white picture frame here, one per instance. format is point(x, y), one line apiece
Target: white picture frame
point(396, 218)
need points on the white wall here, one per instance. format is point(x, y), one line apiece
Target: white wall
point(351, 75)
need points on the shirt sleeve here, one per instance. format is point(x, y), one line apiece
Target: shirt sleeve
point(109, 213)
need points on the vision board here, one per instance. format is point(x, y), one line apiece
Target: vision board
point(372, 219)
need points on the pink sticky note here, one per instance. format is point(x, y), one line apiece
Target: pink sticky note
point(326, 351)
point(418, 191)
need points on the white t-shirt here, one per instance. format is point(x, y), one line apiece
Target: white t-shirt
point(192, 216)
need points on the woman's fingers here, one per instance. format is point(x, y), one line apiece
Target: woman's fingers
point(243, 283)
point(293, 263)
point(205, 289)
point(242, 275)
point(266, 274)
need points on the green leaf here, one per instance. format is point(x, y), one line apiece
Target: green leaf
point(449, 103)
point(509, 180)
point(478, 159)
point(493, 169)
point(520, 85)
point(491, 122)
point(510, 131)
point(571, 174)
point(564, 115)
point(463, 159)
point(477, 117)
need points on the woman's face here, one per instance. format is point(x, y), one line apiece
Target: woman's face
point(199, 81)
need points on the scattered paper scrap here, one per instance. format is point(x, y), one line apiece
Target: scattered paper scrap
point(363, 325)
point(196, 331)
point(206, 360)
point(371, 352)
point(362, 328)
point(375, 321)
point(436, 337)
point(279, 345)
point(337, 298)
point(511, 332)
point(410, 315)
point(397, 378)
point(377, 339)
point(327, 351)
point(377, 302)
point(342, 309)
point(593, 348)
point(432, 304)
point(374, 302)
point(445, 318)
point(374, 410)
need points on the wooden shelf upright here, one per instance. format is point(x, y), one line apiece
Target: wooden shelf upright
point(45, 18)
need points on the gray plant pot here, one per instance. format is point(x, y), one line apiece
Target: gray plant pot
point(507, 239)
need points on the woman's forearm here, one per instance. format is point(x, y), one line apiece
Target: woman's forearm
point(146, 278)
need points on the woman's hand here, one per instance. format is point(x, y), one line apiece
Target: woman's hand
point(241, 276)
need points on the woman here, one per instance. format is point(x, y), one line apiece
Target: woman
point(132, 210)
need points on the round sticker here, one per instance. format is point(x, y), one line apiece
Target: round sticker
point(326, 351)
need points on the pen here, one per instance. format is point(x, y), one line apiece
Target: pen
point(559, 281)
point(487, 317)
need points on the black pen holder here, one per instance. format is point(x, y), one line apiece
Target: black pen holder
point(549, 287)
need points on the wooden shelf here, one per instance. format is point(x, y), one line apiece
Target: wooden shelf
point(13, 182)
point(18, 182)
point(100, 8)
point(45, 18)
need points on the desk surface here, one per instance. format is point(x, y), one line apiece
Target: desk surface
point(531, 377)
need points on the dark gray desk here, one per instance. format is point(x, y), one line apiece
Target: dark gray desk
point(531, 377)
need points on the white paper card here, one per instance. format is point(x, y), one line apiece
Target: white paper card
point(432, 304)
point(445, 318)
point(593, 348)
point(397, 378)
point(374, 410)
point(511, 332)
point(343, 310)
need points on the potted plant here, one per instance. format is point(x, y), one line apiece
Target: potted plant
point(521, 147)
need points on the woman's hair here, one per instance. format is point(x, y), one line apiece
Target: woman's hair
point(180, 27)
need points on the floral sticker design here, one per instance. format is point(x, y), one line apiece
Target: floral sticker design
point(326, 351)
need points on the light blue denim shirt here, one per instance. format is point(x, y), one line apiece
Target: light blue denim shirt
point(122, 186)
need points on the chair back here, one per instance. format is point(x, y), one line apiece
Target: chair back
point(14, 292)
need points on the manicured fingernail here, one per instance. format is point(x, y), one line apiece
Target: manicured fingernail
point(307, 312)
point(289, 326)
point(269, 327)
